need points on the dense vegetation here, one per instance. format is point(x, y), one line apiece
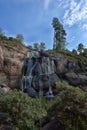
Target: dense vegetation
point(19, 110)
point(26, 113)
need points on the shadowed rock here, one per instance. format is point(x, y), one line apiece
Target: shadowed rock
point(53, 125)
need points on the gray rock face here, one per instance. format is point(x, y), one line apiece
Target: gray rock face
point(1, 59)
point(53, 125)
point(3, 79)
point(11, 64)
point(39, 76)
point(74, 66)
point(45, 70)
point(61, 65)
point(76, 79)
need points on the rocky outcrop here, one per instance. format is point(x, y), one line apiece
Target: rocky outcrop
point(76, 79)
point(1, 59)
point(11, 67)
point(42, 71)
point(61, 65)
point(53, 125)
point(11, 63)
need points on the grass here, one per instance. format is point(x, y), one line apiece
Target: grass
point(69, 55)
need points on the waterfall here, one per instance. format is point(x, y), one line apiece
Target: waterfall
point(40, 66)
point(29, 66)
point(24, 83)
point(29, 71)
point(27, 80)
point(49, 66)
point(52, 66)
point(50, 70)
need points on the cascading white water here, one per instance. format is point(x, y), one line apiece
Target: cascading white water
point(30, 73)
point(50, 70)
point(44, 66)
point(52, 66)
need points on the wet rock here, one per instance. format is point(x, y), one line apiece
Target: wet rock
point(53, 125)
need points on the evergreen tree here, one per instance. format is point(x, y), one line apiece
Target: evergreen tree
point(59, 35)
point(80, 48)
point(36, 46)
point(74, 51)
point(85, 52)
point(42, 46)
point(20, 37)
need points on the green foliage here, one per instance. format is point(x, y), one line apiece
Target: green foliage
point(36, 46)
point(39, 47)
point(42, 46)
point(70, 56)
point(74, 51)
point(3, 38)
point(24, 111)
point(80, 48)
point(85, 52)
point(29, 47)
point(70, 107)
point(59, 35)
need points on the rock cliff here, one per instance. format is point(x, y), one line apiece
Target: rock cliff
point(11, 61)
point(67, 66)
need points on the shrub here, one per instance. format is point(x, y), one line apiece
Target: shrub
point(23, 111)
point(70, 107)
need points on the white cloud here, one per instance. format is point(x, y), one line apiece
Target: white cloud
point(84, 26)
point(75, 12)
point(46, 4)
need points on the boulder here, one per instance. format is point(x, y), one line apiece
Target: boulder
point(61, 65)
point(75, 66)
point(4, 88)
point(53, 125)
point(76, 79)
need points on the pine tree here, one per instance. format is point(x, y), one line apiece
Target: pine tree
point(59, 35)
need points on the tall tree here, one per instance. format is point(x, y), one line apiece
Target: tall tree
point(59, 34)
point(1, 32)
point(80, 48)
point(42, 46)
point(36, 46)
point(74, 51)
point(85, 52)
point(20, 37)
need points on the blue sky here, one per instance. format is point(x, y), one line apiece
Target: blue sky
point(33, 19)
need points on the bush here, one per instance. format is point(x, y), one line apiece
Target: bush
point(70, 107)
point(23, 111)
